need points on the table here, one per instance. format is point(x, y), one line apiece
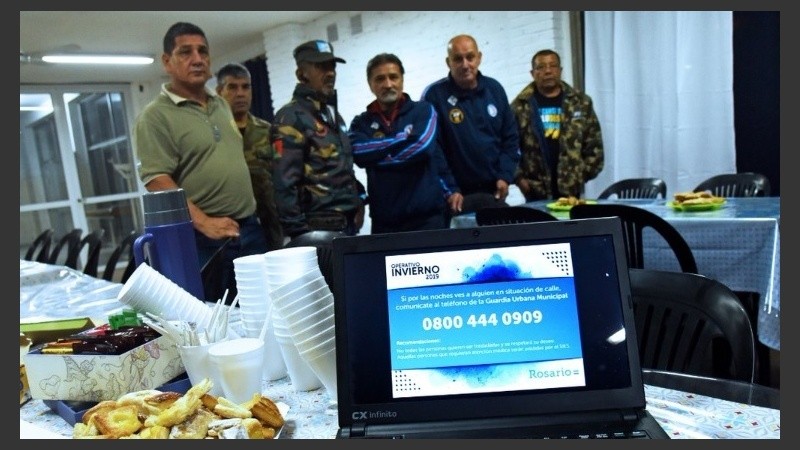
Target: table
point(738, 245)
point(685, 407)
point(683, 415)
point(49, 292)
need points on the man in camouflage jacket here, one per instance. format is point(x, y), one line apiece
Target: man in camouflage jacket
point(559, 134)
point(315, 185)
point(234, 84)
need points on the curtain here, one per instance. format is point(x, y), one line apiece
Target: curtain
point(662, 87)
point(262, 95)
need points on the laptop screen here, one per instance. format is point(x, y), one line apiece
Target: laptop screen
point(486, 322)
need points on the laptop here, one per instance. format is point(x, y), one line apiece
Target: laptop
point(505, 331)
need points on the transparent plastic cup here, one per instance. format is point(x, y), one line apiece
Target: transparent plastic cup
point(238, 365)
point(198, 366)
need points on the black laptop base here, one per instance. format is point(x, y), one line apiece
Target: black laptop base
point(644, 427)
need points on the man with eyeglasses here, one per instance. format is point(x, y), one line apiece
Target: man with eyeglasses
point(560, 136)
point(477, 130)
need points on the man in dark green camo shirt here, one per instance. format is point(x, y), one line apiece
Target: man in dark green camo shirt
point(234, 84)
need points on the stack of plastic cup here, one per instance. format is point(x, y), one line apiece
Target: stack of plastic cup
point(294, 269)
point(309, 321)
point(254, 308)
point(304, 310)
point(302, 375)
point(147, 290)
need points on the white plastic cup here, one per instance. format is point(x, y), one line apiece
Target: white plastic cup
point(291, 254)
point(238, 365)
point(297, 283)
point(318, 320)
point(324, 366)
point(198, 366)
point(309, 339)
point(274, 365)
point(308, 306)
point(281, 283)
point(149, 291)
point(302, 376)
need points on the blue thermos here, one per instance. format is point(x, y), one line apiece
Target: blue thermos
point(168, 243)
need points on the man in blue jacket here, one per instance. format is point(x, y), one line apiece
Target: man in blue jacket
point(409, 184)
point(478, 130)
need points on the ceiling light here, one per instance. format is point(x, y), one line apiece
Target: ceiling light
point(98, 59)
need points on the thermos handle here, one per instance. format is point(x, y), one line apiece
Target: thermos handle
point(138, 249)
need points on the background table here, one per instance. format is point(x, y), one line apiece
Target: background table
point(738, 245)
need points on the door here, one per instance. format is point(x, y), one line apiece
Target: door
point(77, 168)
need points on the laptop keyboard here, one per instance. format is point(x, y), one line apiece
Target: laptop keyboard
point(633, 434)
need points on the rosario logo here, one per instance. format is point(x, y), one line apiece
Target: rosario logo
point(456, 116)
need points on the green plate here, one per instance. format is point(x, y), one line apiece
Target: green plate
point(695, 208)
point(556, 207)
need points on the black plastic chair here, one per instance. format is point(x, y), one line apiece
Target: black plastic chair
point(634, 221)
point(72, 242)
point(125, 247)
point(39, 250)
point(745, 184)
point(689, 323)
point(94, 242)
point(636, 188)
point(511, 214)
point(323, 241)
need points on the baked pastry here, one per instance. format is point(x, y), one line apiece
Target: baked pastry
point(195, 427)
point(152, 414)
point(154, 432)
point(267, 412)
point(182, 408)
point(118, 422)
point(570, 201)
point(105, 405)
point(228, 409)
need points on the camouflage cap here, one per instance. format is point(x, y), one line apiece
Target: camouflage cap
point(315, 51)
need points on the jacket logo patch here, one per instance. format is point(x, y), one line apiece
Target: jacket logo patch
point(319, 128)
point(456, 116)
point(492, 110)
point(278, 146)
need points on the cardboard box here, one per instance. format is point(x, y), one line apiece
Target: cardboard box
point(94, 378)
point(73, 411)
point(24, 390)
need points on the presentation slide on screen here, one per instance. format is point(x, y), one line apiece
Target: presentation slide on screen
point(484, 320)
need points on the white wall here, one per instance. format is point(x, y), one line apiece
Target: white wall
point(507, 40)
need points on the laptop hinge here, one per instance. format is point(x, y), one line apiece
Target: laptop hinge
point(630, 416)
point(358, 430)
